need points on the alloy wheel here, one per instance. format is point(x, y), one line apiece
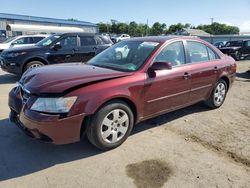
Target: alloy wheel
point(114, 126)
point(219, 94)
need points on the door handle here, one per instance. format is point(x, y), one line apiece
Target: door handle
point(68, 56)
point(186, 75)
point(215, 69)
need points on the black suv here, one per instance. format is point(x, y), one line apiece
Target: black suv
point(237, 49)
point(58, 48)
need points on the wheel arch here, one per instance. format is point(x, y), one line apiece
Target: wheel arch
point(45, 62)
point(227, 80)
point(123, 99)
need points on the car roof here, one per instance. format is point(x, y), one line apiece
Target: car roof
point(162, 39)
point(38, 35)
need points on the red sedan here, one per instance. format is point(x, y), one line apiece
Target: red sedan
point(133, 80)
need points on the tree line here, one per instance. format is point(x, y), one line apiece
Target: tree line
point(138, 30)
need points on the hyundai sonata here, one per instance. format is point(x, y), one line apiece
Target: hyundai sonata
point(115, 90)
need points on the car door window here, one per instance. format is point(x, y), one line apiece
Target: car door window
point(87, 41)
point(173, 53)
point(24, 40)
point(68, 42)
point(248, 43)
point(37, 39)
point(212, 54)
point(197, 52)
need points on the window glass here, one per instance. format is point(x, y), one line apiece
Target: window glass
point(87, 41)
point(248, 43)
point(24, 40)
point(197, 52)
point(68, 42)
point(37, 39)
point(212, 54)
point(173, 53)
point(125, 56)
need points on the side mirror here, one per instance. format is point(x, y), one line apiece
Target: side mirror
point(161, 65)
point(57, 46)
point(13, 43)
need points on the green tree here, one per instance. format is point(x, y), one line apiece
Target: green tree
point(72, 19)
point(132, 28)
point(157, 28)
point(219, 29)
point(176, 27)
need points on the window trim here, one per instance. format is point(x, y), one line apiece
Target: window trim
point(62, 38)
point(165, 45)
point(80, 43)
point(188, 53)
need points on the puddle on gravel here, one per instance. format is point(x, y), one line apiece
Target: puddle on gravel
point(149, 173)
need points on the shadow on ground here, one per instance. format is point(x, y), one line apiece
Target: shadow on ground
point(21, 155)
point(244, 75)
point(8, 78)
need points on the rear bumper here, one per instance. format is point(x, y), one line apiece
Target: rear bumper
point(49, 128)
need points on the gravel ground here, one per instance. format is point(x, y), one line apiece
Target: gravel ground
point(192, 147)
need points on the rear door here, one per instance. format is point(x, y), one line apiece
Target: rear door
point(168, 89)
point(204, 64)
point(88, 48)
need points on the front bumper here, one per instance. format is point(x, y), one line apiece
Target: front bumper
point(49, 128)
point(10, 66)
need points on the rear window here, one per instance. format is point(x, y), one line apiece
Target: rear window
point(87, 41)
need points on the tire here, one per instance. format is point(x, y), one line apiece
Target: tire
point(115, 130)
point(33, 64)
point(218, 95)
point(237, 56)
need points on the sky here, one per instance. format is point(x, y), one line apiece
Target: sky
point(195, 12)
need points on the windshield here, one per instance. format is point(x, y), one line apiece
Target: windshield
point(47, 41)
point(9, 40)
point(234, 44)
point(125, 56)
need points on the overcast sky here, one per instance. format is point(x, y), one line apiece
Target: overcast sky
point(235, 12)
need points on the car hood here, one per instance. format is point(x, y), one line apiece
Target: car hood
point(24, 48)
point(4, 46)
point(64, 77)
point(230, 48)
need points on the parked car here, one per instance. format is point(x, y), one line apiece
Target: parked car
point(23, 40)
point(58, 48)
point(237, 49)
point(220, 44)
point(108, 95)
point(120, 37)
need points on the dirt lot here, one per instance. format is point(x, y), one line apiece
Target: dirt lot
point(193, 147)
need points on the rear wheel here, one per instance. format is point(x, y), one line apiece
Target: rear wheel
point(111, 125)
point(33, 64)
point(218, 95)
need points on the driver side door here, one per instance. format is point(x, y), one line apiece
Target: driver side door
point(67, 52)
point(168, 89)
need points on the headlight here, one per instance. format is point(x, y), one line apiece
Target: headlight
point(14, 54)
point(53, 105)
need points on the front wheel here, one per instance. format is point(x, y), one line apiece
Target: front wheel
point(32, 65)
point(218, 95)
point(237, 56)
point(111, 125)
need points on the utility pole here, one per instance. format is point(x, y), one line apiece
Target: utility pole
point(212, 20)
point(147, 28)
